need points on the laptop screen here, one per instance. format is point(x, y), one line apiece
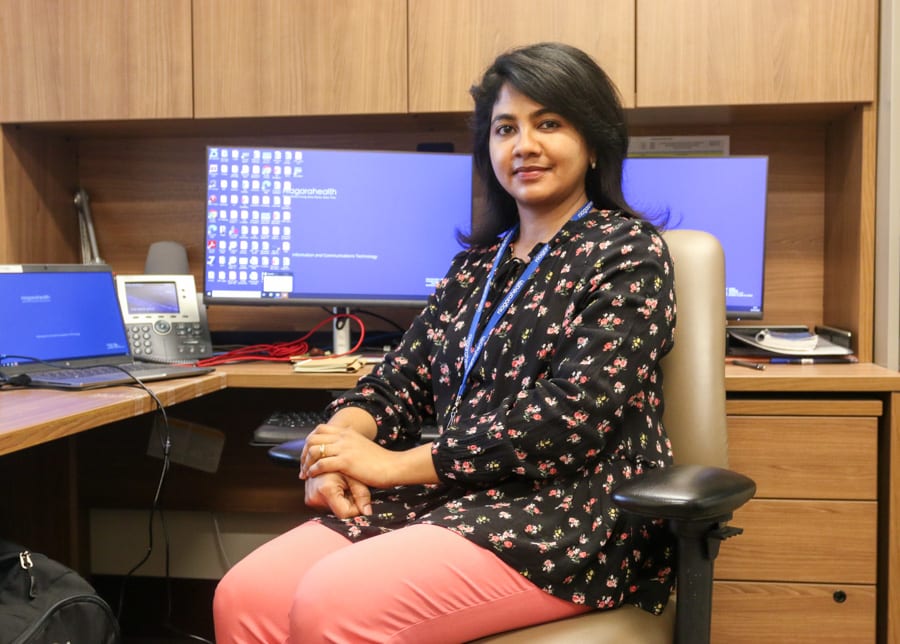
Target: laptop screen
point(59, 313)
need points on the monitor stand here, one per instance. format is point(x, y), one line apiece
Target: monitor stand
point(340, 331)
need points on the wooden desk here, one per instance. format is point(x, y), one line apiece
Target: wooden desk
point(825, 378)
point(782, 395)
point(30, 417)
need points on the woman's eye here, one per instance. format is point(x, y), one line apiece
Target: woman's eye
point(549, 124)
point(503, 129)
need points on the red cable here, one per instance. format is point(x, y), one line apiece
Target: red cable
point(282, 351)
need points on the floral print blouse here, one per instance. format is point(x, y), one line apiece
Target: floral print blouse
point(564, 403)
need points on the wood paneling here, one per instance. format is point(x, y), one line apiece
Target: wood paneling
point(803, 407)
point(806, 457)
point(292, 57)
point(72, 60)
point(709, 52)
point(802, 541)
point(750, 613)
point(889, 508)
point(850, 225)
point(38, 176)
point(452, 43)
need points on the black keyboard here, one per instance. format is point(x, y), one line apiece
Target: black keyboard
point(288, 425)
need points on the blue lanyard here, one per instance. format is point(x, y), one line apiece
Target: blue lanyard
point(472, 350)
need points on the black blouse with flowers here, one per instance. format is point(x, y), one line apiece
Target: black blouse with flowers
point(564, 403)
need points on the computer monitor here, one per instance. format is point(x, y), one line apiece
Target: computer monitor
point(332, 227)
point(340, 228)
point(725, 196)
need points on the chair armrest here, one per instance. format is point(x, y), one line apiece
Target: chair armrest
point(685, 493)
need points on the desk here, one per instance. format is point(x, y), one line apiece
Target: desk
point(784, 394)
point(30, 417)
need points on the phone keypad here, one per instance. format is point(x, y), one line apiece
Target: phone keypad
point(182, 339)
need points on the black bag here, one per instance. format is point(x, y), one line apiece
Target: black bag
point(44, 602)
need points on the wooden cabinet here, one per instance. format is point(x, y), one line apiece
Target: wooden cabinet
point(78, 60)
point(805, 569)
point(299, 57)
point(451, 43)
point(709, 52)
point(136, 59)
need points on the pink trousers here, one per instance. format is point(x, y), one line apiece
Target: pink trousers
point(417, 584)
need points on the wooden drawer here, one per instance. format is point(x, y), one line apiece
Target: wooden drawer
point(809, 541)
point(750, 613)
point(794, 457)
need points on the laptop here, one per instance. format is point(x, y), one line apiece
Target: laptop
point(61, 327)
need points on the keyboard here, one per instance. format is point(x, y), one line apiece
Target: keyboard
point(108, 375)
point(283, 425)
point(286, 425)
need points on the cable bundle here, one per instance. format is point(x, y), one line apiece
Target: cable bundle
point(280, 351)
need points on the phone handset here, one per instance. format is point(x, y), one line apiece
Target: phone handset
point(165, 318)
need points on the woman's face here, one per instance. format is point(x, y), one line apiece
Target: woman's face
point(538, 157)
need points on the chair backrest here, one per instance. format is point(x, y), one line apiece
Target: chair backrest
point(694, 371)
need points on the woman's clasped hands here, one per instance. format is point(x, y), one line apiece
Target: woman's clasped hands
point(340, 465)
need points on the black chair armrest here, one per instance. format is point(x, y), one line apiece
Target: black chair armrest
point(685, 493)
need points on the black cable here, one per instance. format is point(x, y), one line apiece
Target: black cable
point(383, 318)
point(20, 379)
point(166, 444)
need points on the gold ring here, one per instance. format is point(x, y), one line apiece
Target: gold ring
point(322, 450)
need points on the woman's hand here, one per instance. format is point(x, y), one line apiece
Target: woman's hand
point(331, 448)
point(336, 449)
point(343, 496)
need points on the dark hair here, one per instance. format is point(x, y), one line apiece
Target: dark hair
point(567, 81)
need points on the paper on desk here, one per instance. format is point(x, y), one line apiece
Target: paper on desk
point(328, 364)
point(781, 343)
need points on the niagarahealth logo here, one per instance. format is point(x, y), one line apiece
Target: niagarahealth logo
point(311, 193)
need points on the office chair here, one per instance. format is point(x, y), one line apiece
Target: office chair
point(697, 495)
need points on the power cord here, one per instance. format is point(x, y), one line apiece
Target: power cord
point(19, 379)
point(165, 440)
point(220, 543)
point(282, 351)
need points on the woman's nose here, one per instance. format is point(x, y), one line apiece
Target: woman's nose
point(526, 143)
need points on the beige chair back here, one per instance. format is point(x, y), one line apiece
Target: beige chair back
point(694, 371)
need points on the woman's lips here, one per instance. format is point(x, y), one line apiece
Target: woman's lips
point(529, 172)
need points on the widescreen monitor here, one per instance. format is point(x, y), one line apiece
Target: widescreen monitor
point(343, 228)
point(724, 196)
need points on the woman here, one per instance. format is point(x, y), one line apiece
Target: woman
point(538, 356)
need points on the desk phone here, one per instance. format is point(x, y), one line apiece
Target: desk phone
point(164, 318)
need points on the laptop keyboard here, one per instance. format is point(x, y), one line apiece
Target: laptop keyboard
point(85, 374)
point(111, 375)
point(284, 425)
